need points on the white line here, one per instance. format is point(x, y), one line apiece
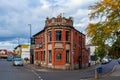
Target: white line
point(34, 73)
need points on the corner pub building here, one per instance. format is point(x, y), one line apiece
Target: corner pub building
point(60, 46)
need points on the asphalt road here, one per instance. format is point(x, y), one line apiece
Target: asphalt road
point(10, 72)
point(76, 75)
point(66, 75)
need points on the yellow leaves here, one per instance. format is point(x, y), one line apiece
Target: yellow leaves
point(106, 1)
point(109, 12)
point(104, 8)
point(91, 30)
point(107, 31)
point(104, 32)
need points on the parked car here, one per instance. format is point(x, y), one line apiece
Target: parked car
point(118, 60)
point(9, 58)
point(18, 62)
point(106, 59)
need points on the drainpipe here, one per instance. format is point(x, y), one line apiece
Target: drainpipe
point(81, 51)
point(72, 50)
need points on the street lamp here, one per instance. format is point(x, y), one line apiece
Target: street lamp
point(30, 30)
point(31, 47)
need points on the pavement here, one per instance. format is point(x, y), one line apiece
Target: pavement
point(116, 71)
point(43, 69)
point(114, 74)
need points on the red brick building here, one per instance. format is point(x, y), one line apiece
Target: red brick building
point(60, 45)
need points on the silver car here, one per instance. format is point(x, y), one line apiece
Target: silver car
point(106, 59)
point(18, 62)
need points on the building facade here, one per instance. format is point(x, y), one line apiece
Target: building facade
point(59, 45)
point(22, 51)
point(92, 58)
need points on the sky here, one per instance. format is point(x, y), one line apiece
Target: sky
point(16, 15)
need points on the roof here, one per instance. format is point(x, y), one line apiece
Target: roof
point(39, 32)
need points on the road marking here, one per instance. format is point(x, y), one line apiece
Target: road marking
point(34, 73)
point(37, 75)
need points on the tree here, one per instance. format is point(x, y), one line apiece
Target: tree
point(104, 31)
point(115, 49)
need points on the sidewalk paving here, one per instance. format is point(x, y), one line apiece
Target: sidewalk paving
point(116, 72)
point(39, 68)
point(113, 75)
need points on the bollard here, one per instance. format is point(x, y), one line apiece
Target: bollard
point(96, 74)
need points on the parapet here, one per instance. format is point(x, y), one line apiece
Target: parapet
point(59, 21)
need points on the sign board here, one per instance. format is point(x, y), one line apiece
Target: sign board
point(93, 58)
point(72, 52)
point(25, 46)
point(40, 45)
point(32, 40)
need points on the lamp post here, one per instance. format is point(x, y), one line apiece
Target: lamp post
point(30, 30)
point(31, 47)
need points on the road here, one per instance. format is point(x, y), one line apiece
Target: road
point(10, 72)
point(67, 75)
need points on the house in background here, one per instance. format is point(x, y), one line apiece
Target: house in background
point(22, 51)
point(59, 45)
point(3, 53)
point(92, 57)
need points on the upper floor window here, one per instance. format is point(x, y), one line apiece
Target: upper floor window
point(67, 35)
point(58, 35)
point(50, 36)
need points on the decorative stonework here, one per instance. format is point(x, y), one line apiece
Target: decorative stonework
point(59, 21)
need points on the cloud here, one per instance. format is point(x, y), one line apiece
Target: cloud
point(15, 15)
point(7, 45)
point(11, 44)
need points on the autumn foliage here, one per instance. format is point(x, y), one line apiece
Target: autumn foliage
point(105, 23)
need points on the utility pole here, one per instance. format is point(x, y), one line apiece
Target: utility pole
point(30, 30)
point(18, 41)
point(31, 47)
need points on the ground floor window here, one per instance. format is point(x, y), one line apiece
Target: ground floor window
point(44, 56)
point(58, 56)
point(36, 56)
point(41, 56)
point(50, 56)
point(67, 56)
